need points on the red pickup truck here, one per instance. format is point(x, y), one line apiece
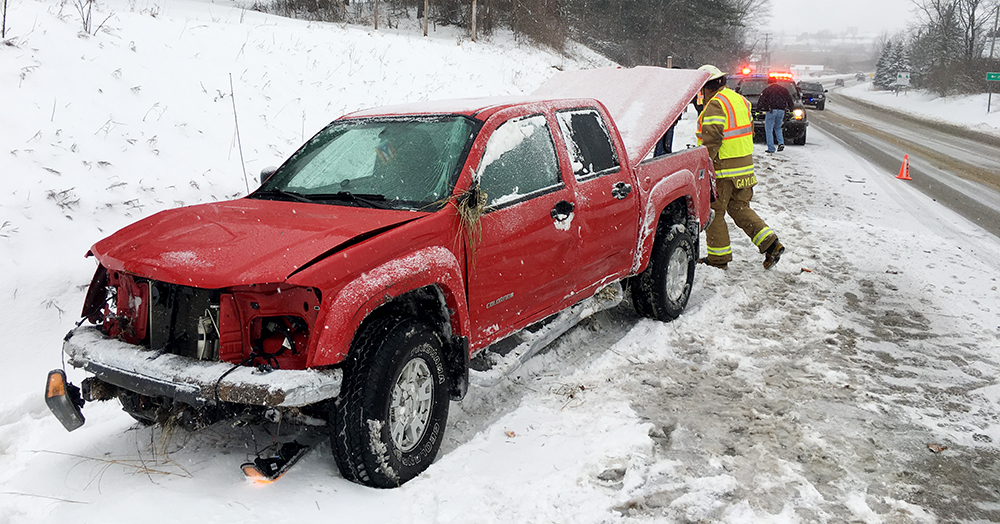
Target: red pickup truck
point(360, 278)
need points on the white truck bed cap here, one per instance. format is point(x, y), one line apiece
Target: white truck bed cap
point(644, 101)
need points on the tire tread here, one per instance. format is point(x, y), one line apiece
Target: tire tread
point(373, 355)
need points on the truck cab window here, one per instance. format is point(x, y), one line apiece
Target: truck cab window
point(405, 162)
point(588, 142)
point(519, 160)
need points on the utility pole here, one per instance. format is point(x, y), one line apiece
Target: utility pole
point(993, 41)
point(767, 53)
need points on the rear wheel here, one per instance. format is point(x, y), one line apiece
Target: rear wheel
point(663, 289)
point(389, 419)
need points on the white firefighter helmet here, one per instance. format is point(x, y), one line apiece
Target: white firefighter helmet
point(712, 70)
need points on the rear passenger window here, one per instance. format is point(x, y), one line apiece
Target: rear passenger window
point(588, 142)
point(519, 160)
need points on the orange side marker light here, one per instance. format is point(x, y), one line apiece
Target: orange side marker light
point(63, 400)
point(254, 475)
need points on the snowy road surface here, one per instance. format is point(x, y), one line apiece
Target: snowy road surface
point(854, 382)
point(959, 169)
point(811, 393)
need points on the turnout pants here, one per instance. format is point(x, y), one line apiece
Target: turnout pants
point(735, 202)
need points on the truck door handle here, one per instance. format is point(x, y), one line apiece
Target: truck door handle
point(621, 190)
point(562, 210)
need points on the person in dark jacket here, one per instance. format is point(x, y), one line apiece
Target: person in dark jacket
point(665, 145)
point(774, 101)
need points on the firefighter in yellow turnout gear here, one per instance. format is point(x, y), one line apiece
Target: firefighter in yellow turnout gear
point(725, 127)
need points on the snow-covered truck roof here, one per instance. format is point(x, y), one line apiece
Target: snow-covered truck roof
point(644, 101)
point(462, 106)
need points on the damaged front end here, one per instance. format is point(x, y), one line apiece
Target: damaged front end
point(191, 355)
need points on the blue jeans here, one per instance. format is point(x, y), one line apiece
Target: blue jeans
point(772, 126)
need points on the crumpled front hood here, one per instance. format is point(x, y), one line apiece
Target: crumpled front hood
point(238, 242)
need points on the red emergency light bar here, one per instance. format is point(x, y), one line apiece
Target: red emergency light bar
point(781, 76)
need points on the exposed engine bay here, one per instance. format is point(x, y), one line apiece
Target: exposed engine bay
point(196, 356)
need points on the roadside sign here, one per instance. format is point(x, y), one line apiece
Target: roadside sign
point(902, 82)
point(991, 77)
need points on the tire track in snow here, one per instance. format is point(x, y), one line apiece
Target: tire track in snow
point(817, 396)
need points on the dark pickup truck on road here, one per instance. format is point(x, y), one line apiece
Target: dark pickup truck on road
point(796, 121)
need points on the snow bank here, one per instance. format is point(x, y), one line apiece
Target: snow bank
point(968, 111)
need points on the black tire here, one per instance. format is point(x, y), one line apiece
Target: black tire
point(800, 141)
point(388, 422)
point(662, 290)
point(820, 106)
point(640, 300)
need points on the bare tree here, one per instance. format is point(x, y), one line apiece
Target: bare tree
point(634, 32)
point(631, 32)
point(427, 8)
point(973, 27)
point(540, 21)
point(960, 25)
point(948, 46)
point(878, 45)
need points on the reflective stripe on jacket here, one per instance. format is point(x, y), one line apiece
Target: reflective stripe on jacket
point(725, 127)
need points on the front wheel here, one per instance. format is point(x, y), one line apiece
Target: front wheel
point(663, 289)
point(388, 422)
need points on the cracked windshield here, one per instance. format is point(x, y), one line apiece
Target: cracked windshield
point(400, 163)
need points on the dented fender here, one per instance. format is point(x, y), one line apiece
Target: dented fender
point(667, 190)
point(665, 180)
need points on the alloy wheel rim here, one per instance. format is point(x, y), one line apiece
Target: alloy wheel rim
point(410, 405)
point(676, 281)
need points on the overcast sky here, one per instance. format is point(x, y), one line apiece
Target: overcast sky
point(869, 16)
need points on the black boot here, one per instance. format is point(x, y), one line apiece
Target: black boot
point(720, 265)
point(773, 253)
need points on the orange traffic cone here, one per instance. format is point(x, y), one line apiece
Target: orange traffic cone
point(904, 170)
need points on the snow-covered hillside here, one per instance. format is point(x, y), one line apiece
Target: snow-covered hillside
point(99, 131)
point(808, 393)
